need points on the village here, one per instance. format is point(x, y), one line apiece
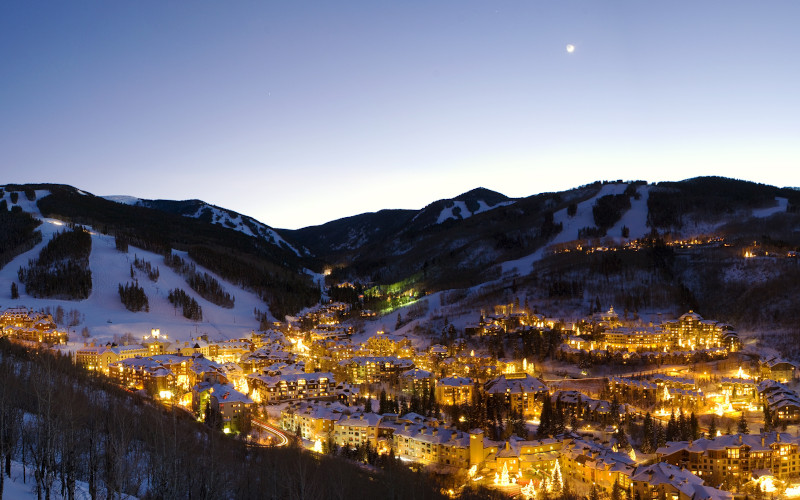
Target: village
point(605, 406)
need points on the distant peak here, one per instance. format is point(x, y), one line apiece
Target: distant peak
point(481, 193)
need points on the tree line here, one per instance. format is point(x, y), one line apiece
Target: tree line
point(133, 297)
point(189, 306)
point(203, 283)
point(17, 232)
point(65, 425)
point(62, 268)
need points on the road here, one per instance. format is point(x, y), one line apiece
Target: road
point(280, 437)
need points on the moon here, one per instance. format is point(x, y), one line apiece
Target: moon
point(570, 48)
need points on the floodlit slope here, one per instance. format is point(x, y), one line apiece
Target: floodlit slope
point(635, 219)
point(781, 204)
point(103, 311)
point(570, 226)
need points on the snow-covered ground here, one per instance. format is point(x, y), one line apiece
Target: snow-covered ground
point(635, 219)
point(571, 225)
point(14, 488)
point(464, 212)
point(103, 311)
point(780, 207)
point(224, 218)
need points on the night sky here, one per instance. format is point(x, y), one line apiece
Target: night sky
point(301, 112)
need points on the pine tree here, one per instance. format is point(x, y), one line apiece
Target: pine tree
point(14, 291)
point(672, 433)
point(712, 427)
point(661, 435)
point(683, 427)
point(616, 491)
point(648, 434)
point(694, 427)
point(546, 418)
point(767, 418)
point(743, 427)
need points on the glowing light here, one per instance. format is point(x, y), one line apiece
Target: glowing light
point(472, 471)
point(166, 395)
point(767, 484)
point(570, 48)
point(528, 491)
point(502, 480)
point(742, 374)
point(317, 446)
point(792, 491)
point(556, 482)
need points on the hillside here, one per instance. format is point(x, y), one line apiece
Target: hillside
point(212, 214)
point(87, 438)
point(609, 242)
point(274, 273)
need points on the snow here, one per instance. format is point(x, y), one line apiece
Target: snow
point(105, 315)
point(237, 223)
point(780, 207)
point(15, 489)
point(464, 213)
point(222, 218)
point(571, 225)
point(24, 203)
point(123, 199)
point(447, 213)
point(635, 219)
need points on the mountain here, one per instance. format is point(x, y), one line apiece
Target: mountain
point(351, 233)
point(211, 214)
point(272, 275)
point(640, 246)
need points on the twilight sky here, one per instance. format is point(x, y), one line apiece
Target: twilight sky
point(301, 112)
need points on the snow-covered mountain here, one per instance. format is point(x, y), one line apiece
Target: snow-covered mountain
point(475, 238)
point(198, 209)
point(103, 312)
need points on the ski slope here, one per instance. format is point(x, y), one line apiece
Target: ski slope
point(103, 312)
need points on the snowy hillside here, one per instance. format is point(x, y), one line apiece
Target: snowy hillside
point(104, 314)
point(457, 209)
point(571, 225)
point(198, 209)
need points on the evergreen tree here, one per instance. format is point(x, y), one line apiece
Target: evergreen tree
point(546, 419)
point(672, 433)
point(14, 291)
point(622, 439)
point(683, 427)
point(648, 434)
point(661, 435)
point(383, 404)
point(712, 427)
point(694, 427)
point(616, 491)
point(742, 427)
point(614, 409)
point(767, 418)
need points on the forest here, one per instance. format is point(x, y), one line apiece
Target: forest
point(202, 283)
point(18, 232)
point(67, 426)
point(133, 297)
point(62, 268)
point(271, 271)
point(189, 307)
